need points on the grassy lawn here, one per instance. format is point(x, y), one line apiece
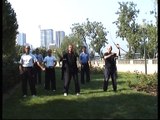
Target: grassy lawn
point(92, 103)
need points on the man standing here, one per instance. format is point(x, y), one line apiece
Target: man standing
point(70, 70)
point(27, 61)
point(37, 68)
point(50, 62)
point(84, 61)
point(110, 68)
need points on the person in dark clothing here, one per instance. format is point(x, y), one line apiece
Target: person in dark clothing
point(62, 68)
point(37, 68)
point(70, 70)
point(84, 61)
point(110, 68)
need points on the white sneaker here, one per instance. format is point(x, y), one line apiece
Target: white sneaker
point(24, 96)
point(54, 90)
point(77, 94)
point(33, 95)
point(65, 94)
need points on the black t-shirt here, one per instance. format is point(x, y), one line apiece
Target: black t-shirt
point(110, 62)
point(70, 59)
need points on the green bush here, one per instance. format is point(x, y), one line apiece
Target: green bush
point(142, 82)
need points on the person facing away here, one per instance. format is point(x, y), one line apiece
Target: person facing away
point(110, 68)
point(84, 61)
point(50, 62)
point(26, 62)
point(37, 68)
point(70, 70)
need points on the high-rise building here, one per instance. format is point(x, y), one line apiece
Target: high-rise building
point(59, 37)
point(21, 39)
point(46, 37)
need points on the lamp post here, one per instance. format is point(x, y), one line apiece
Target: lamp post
point(144, 29)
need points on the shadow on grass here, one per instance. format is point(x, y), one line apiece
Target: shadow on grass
point(93, 103)
point(123, 106)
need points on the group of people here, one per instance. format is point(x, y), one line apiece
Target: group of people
point(31, 66)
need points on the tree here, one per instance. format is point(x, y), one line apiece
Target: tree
point(10, 27)
point(71, 39)
point(127, 27)
point(151, 37)
point(93, 31)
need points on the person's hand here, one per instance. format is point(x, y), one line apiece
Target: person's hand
point(117, 45)
point(43, 69)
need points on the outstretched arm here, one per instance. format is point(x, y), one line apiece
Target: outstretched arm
point(118, 52)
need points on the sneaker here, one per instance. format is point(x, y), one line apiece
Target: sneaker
point(33, 95)
point(54, 90)
point(24, 96)
point(77, 94)
point(65, 94)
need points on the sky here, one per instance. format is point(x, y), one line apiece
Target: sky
point(33, 15)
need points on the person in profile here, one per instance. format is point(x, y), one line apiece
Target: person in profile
point(110, 67)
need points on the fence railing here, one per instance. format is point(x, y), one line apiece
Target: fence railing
point(131, 65)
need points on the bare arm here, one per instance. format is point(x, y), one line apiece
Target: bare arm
point(40, 66)
point(20, 69)
point(107, 56)
point(118, 52)
point(55, 63)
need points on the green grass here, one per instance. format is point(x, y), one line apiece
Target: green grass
point(91, 104)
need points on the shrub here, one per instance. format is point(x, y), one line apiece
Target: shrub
point(10, 74)
point(147, 83)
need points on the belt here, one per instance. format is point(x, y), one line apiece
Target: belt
point(27, 67)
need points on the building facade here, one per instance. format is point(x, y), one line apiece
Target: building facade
point(59, 37)
point(46, 38)
point(21, 39)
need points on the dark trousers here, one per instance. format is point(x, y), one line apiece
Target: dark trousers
point(109, 72)
point(67, 78)
point(37, 74)
point(85, 71)
point(50, 79)
point(62, 73)
point(28, 77)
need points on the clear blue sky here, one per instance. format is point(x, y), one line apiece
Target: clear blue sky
point(61, 14)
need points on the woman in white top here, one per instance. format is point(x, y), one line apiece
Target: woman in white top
point(50, 62)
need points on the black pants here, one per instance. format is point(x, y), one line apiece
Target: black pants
point(28, 77)
point(50, 79)
point(109, 72)
point(67, 78)
point(62, 73)
point(85, 71)
point(37, 74)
